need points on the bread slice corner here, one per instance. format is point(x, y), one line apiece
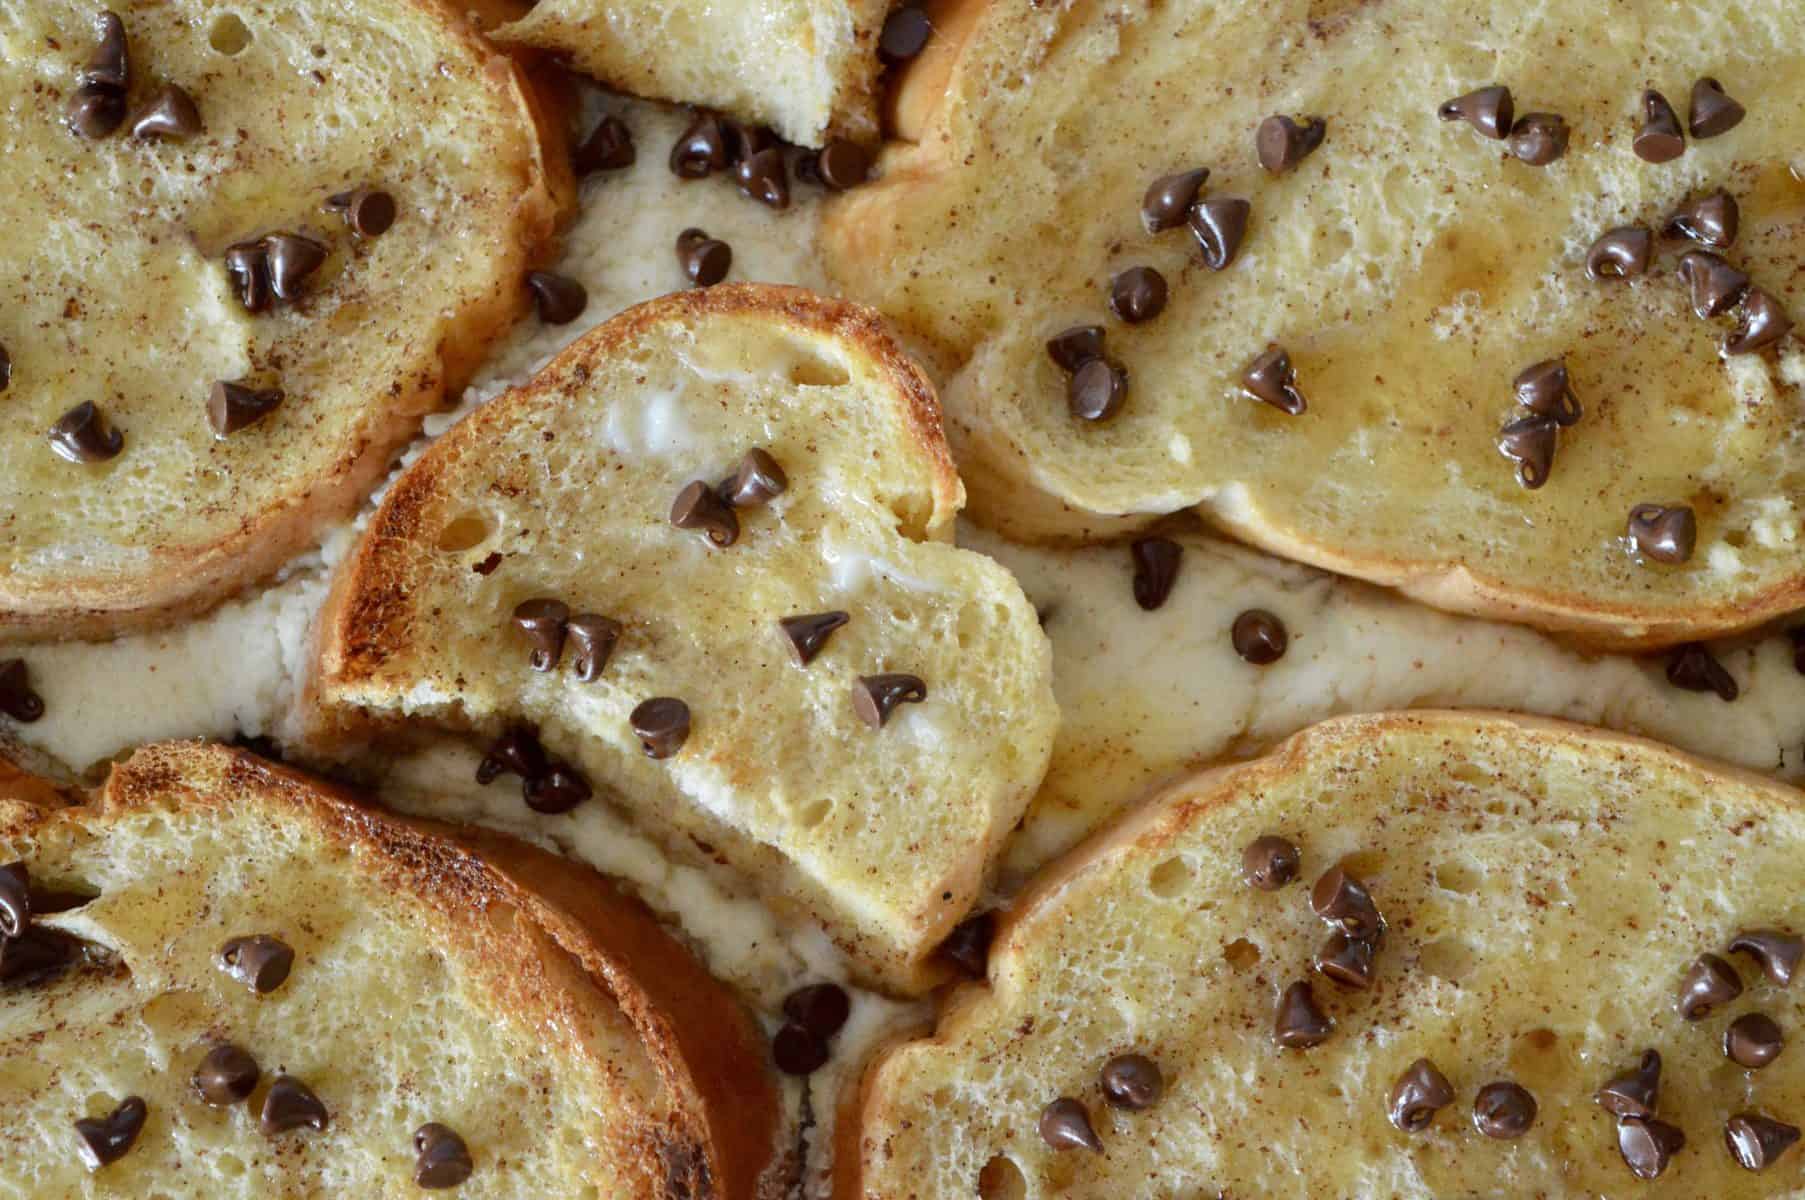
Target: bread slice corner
point(438, 975)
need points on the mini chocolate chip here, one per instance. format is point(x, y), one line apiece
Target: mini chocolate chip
point(1777, 951)
point(1282, 143)
point(94, 112)
point(1220, 225)
point(1259, 637)
point(37, 955)
point(743, 141)
point(1096, 390)
point(1695, 669)
point(169, 114)
point(797, 1051)
point(1269, 862)
point(1753, 1040)
point(1489, 110)
point(517, 752)
point(1708, 983)
point(290, 1104)
point(1659, 139)
point(1544, 389)
point(1530, 443)
point(820, 1008)
point(1711, 220)
point(1420, 1092)
point(1343, 901)
point(875, 697)
point(368, 211)
point(1298, 1023)
point(544, 621)
point(1170, 197)
point(441, 1159)
point(107, 1139)
point(1346, 961)
point(556, 789)
point(15, 900)
point(1137, 294)
point(705, 260)
point(6, 369)
point(18, 699)
point(1663, 533)
point(806, 635)
point(560, 299)
point(1538, 138)
point(1648, 1145)
point(110, 63)
point(905, 34)
point(702, 149)
point(1076, 346)
point(1503, 1110)
point(699, 507)
point(755, 482)
point(1621, 253)
point(247, 266)
point(1712, 111)
point(1271, 378)
point(842, 165)
point(661, 724)
point(763, 177)
point(1155, 570)
point(261, 962)
point(967, 947)
point(227, 1075)
point(82, 435)
point(232, 406)
point(1132, 1081)
point(1760, 322)
point(593, 638)
point(292, 258)
point(1065, 1125)
point(607, 147)
point(1633, 1093)
point(1756, 1142)
point(1797, 636)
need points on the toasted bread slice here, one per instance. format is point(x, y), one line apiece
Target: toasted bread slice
point(116, 290)
point(806, 68)
point(1544, 889)
point(563, 490)
point(1148, 696)
point(1408, 266)
point(436, 976)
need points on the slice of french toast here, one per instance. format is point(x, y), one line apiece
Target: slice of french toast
point(248, 249)
point(1413, 956)
point(226, 979)
point(1343, 344)
point(806, 68)
point(700, 564)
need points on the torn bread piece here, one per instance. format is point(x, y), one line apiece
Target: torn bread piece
point(233, 980)
point(700, 564)
point(248, 249)
point(807, 68)
point(1412, 270)
point(1402, 956)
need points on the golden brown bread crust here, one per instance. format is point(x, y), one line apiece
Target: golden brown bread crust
point(707, 1049)
point(188, 579)
point(365, 612)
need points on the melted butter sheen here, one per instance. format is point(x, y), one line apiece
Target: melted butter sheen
point(1409, 266)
